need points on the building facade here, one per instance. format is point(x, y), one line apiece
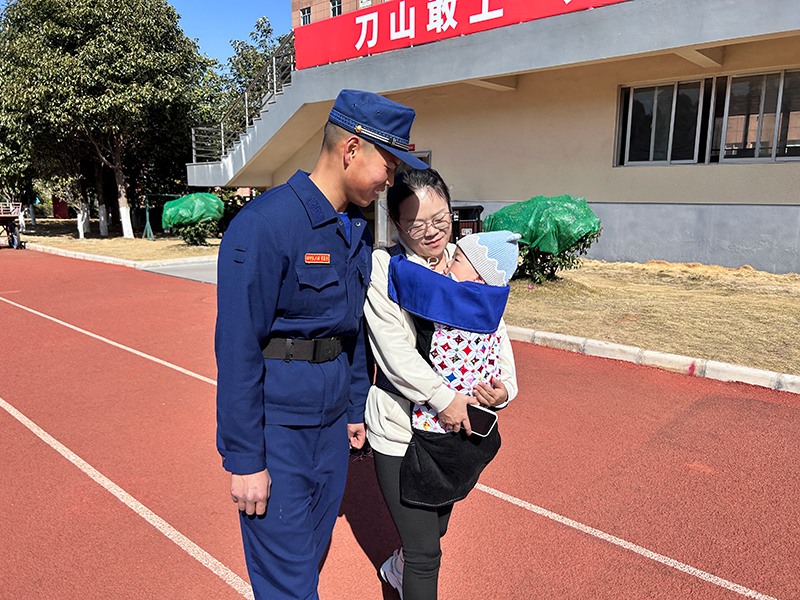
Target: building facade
point(305, 12)
point(677, 120)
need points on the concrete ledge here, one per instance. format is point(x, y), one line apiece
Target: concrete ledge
point(82, 255)
point(674, 362)
point(727, 372)
point(559, 341)
point(520, 334)
point(142, 264)
point(790, 383)
point(613, 351)
point(685, 365)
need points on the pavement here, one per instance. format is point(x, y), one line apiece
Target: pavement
point(204, 269)
point(195, 268)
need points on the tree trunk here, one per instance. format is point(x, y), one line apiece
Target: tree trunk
point(103, 213)
point(32, 214)
point(122, 196)
point(83, 220)
point(100, 192)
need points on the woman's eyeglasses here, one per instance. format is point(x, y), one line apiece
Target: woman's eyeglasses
point(418, 230)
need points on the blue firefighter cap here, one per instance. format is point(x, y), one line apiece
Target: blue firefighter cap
point(378, 120)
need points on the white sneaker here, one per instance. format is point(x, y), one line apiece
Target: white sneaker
point(392, 571)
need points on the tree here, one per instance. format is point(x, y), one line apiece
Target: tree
point(249, 58)
point(221, 86)
point(119, 75)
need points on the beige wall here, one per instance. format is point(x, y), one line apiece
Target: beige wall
point(555, 134)
point(304, 159)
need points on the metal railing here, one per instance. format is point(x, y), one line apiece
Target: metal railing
point(212, 142)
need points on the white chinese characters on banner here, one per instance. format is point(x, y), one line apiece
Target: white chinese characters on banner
point(396, 33)
point(440, 15)
point(364, 20)
point(486, 14)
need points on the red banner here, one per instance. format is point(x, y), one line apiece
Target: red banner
point(402, 23)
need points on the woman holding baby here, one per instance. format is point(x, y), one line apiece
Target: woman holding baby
point(411, 391)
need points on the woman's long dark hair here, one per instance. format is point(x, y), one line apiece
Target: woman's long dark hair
point(414, 181)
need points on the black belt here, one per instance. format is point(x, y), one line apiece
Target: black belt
point(314, 351)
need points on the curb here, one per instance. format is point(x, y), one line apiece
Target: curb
point(694, 367)
point(141, 264)
point(685, 365)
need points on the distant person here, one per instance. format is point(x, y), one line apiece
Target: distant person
point(293, 271)
point(419, 206)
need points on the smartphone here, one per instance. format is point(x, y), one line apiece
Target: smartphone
point(481, 419)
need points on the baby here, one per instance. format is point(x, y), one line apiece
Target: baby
point(464, 358)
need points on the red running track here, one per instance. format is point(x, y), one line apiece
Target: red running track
point(614, 480)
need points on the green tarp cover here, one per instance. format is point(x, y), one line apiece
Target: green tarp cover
point(552, 225)
point(192, 209)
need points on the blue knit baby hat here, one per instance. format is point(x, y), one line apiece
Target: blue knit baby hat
point(493, 254)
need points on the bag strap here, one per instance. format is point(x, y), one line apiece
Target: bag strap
point(396, 250)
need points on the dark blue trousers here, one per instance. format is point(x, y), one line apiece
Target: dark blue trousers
point(308, 466)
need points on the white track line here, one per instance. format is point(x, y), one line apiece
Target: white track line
point(208, 561)
point(112, 342)
point(664, 560)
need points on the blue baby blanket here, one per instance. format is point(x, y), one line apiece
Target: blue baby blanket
point(464, 305)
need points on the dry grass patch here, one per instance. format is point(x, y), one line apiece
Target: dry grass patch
point(739, 316)
point(62, 233)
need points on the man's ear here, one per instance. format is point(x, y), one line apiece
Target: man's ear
point(351, 146)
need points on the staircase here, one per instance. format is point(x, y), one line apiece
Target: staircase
point(212, 142)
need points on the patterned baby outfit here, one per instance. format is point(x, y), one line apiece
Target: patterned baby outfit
point(463, 359)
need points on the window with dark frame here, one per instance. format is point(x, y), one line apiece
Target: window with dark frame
point(336, 8)
point(685, 122)
point(305, 16)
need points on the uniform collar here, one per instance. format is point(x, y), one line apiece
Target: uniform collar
point(319, 209)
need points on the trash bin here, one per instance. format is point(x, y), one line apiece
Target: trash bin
point(466, 220)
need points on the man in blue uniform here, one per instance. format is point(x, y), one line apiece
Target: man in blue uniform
point(293, 270)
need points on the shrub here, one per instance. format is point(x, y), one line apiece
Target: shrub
point(542, 266)
point(196, 234)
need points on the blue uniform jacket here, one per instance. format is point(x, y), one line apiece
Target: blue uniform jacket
point(286, 269)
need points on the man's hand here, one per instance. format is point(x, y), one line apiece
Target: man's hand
point(491, 395)
point(454, 417)
point(251, 492)
point(357, 434)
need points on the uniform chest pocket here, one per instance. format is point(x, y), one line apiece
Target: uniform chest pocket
point(318, 291)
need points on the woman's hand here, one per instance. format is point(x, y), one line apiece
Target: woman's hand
point(454, 417)
point(491, 395)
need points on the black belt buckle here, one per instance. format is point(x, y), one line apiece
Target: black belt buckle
point(326, 349)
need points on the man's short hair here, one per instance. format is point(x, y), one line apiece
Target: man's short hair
point(334, 134)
